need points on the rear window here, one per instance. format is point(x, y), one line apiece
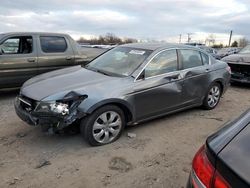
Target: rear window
point(205, 58)
point(53, 44)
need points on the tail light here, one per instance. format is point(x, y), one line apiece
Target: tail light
point(206, 174)
point(229, 69)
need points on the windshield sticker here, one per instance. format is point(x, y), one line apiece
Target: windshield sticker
point(137, 52)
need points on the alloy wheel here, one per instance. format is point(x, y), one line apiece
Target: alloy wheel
point(107, 127)
point(213, 96)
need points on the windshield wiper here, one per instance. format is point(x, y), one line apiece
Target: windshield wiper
point(97, 70)
point(102, 72)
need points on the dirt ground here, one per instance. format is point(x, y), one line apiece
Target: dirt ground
point(159, 156)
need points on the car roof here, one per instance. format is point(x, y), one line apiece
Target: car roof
point(32, 33)
point(155, 46)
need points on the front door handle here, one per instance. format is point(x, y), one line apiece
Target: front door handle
point(207, 70)
point(173, 77)
point(31, 60)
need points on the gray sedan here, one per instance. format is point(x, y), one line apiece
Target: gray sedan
point(127, 85)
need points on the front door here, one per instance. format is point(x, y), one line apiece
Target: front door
point(160, 88)
point(18, 61)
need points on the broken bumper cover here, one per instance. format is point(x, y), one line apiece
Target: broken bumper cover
point(24, 115)
point(240, 78)
point(240, 72)
point(46, 119)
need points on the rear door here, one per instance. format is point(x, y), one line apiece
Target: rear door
point(55, 52)
point(18, 60)
point(158, 89)
point(195, 72)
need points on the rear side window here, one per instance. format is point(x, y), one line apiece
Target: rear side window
point(205, 58)
point(17, 45)
point(53, 44)
point(190, 58)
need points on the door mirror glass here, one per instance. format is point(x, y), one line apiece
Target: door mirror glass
point(142, 75)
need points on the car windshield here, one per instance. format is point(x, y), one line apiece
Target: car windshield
point(120, 61)
point(245, 50)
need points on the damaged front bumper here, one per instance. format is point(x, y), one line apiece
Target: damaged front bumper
point(48, 120)
point(240, 72)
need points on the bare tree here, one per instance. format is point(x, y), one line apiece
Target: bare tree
point(243, 42)
point(210, 40)
point(109, 38)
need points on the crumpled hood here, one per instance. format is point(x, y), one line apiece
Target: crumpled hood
point(240, 58)
point(61, 82)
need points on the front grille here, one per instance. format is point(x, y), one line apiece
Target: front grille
point(26, 103)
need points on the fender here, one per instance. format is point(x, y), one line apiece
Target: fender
point(122, 102)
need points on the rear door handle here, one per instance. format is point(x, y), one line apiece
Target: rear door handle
point(31, 60)
point(68, 58)
point(207, 70)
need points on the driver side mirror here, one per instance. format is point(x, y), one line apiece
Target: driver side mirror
point(142, 75)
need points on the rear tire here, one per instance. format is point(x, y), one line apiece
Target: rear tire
point(213, 96)
point(103, 126)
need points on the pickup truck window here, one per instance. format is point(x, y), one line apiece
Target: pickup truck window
point(53, 44)
point(17, 45)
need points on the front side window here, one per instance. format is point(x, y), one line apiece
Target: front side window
point(53, 44)
point(164, 62)
point(190, 58)
point(120, 61)
point(17, 45)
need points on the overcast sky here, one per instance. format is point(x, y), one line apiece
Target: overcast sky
point(143, 19)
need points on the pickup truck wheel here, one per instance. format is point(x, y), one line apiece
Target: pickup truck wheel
point(212, 97)
point(103, 126)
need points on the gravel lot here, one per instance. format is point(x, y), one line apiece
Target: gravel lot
point(159, 156)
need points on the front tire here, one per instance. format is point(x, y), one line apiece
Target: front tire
point(212, 97)
point(103, 126)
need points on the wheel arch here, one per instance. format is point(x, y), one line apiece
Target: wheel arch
point(124, 105)
point(221, 83)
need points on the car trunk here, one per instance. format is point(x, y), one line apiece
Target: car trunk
point(234, 162)
point(229, 151)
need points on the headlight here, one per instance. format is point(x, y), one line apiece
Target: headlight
point(56, 107)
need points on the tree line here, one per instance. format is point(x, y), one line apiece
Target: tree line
point(108, 39)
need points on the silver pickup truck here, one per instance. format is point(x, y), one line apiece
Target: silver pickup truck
point(24, 55)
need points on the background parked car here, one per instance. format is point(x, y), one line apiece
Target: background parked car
point(127, 85)
point(240, 65)
point(228, 51)
point(211, 51)
point(24, 55)
point(224, 160)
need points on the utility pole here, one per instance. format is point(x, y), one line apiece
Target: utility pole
point(189, 37)
point(230, 38)
point(180, 39)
